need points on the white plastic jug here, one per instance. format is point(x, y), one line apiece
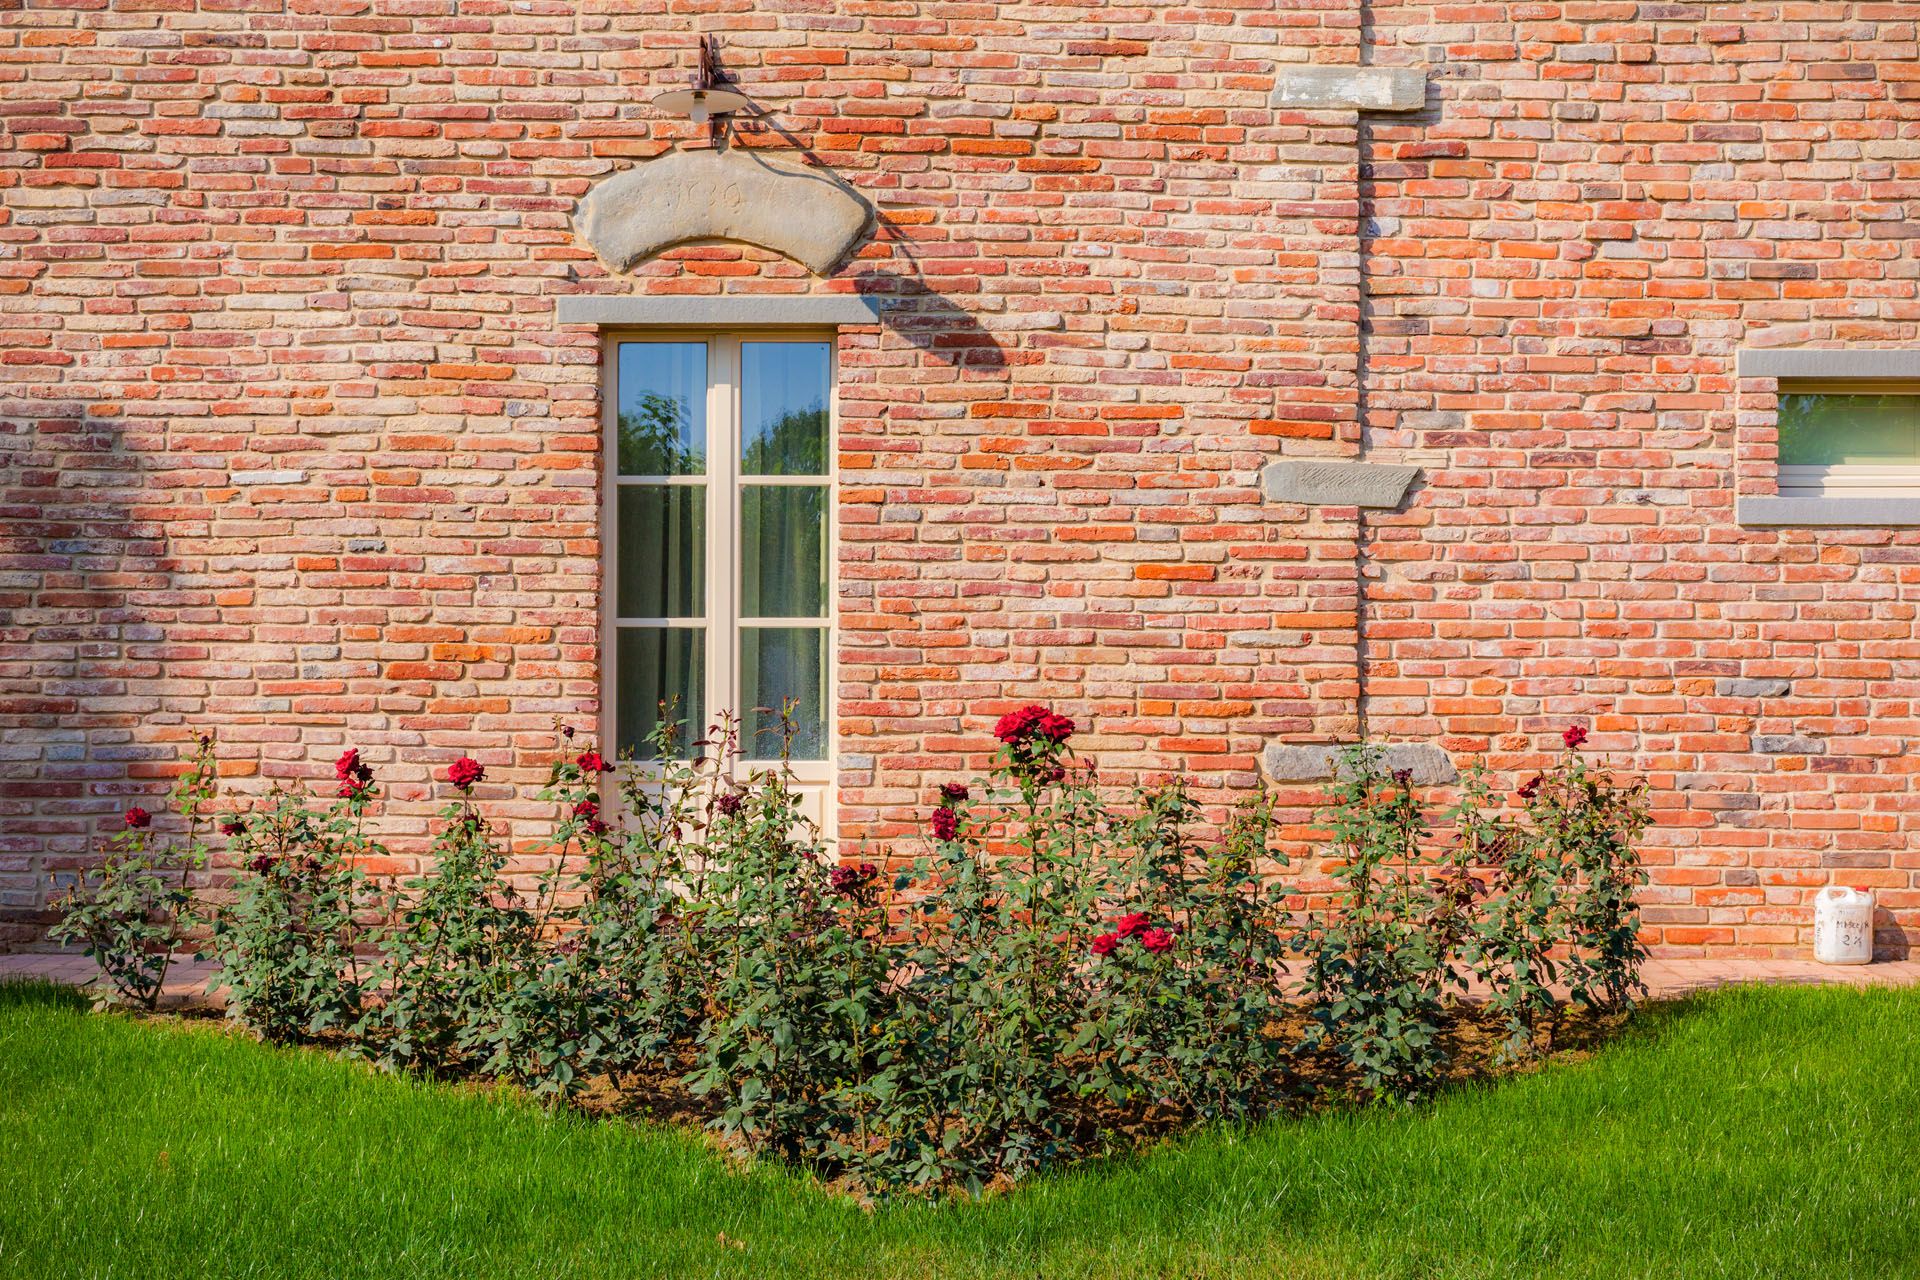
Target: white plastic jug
point(1843, 925)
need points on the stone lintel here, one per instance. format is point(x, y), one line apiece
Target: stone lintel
point(1320, 88)
point(726, 312)
point(1317, 762)
point(1325, 482)
point(1865, 363)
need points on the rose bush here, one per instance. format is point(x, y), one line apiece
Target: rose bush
point(133, 912)
point(285, 940)
point(1055, 966)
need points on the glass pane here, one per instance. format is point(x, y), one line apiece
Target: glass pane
point(662, 414)
point(778, 663)
point(656, 666)
point(663, 551)
point(783, 566)
point(1828, 430)
point(783, 408)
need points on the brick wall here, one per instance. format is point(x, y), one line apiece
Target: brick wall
point(1600, 205)
point(293, 446)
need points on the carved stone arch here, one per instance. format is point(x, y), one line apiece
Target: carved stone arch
point(686, 196)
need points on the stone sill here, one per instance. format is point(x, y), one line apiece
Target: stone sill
point(1861, 513)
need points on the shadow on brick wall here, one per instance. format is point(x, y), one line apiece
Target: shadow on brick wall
point(931, 321)
point(85, 594)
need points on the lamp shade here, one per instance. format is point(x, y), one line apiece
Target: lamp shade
point(700, 105)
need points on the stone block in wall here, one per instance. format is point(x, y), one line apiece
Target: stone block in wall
point(1317, 762)
point(1315, 88)
point(1326, 482)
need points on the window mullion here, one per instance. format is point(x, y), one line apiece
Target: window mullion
point(723, 601)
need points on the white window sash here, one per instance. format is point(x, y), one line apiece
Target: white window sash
point(724, 583)
point(1854, 479)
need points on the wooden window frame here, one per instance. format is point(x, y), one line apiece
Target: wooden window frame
point(722, 620)
point(1858, 479)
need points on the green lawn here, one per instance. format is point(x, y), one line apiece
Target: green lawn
point(1752, 1133)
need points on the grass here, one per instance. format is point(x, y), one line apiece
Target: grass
point(1749, 1133)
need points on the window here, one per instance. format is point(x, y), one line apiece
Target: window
point(719, 524)
point(1845, 439)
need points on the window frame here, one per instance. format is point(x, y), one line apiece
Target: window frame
point(1815, 481)
point(724, 582)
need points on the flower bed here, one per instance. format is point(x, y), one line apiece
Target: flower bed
point(1057, 970)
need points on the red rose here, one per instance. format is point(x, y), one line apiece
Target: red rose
point(730, 803)
point(350, 768)
point(1054, 728)
point(593, 762)
point(587, 809)
point(139, 819)
point(1531, 787)
point(954, 792)
point(260, 865)
point(1573, 737)
point(464, 772)
point(856, 883)
point(1104, 943)
point(1128, 925)
point(1017, 726)
point(1157, 940)
point(946, 824)
point(232, 827)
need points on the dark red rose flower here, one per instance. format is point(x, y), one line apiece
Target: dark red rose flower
point(946, 823)
point(260, 865)
point(139, 819)
point(1157, 939)
point(351, 768)
point(1018, 726)
point(1031, 722)
point(1531, 787)
point(856, 883)
point(465, 771)
point(1573, 737)
point(1054, 773)
point(589, 812)
point(593, 762)
point(730, 803)
point(566, 731)
point(1128, 925)
point(232, 827)
point(1105, 943)
point(1403, 777)
point(954, 792)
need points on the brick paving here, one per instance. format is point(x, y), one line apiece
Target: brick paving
point(1666, 978)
